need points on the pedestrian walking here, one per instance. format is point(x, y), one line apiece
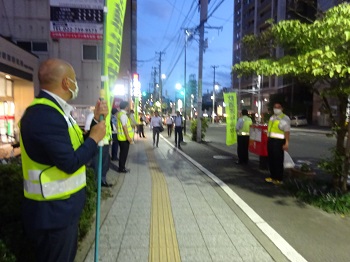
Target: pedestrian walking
point(156, 123)
point(170, 123)
point(278, 132)
point(141, 125)
point(242, 128)
point(125, 135)
point(178, 129)
point(54, 155)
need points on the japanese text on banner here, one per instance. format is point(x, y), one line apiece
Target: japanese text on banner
point(230, 100)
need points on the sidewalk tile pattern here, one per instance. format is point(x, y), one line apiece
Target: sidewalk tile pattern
point(207, 229)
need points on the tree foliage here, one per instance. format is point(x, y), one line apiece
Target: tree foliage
point(317, 53)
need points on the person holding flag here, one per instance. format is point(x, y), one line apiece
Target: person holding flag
point(54, 155)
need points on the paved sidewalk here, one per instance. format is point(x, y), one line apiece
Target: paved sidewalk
point(167, 209)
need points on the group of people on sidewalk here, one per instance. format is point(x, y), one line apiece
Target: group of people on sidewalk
point(157, 127)
point(55, 153)
point(278, 132)
point(122, 127)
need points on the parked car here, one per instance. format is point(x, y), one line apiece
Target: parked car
point(298, 121)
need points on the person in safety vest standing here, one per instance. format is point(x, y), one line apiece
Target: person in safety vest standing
point(278, 132)
point(242, 127)
point(115, 143)
point(54, 155)
point(125, 135)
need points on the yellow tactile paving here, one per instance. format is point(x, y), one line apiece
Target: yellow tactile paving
point(163, 242)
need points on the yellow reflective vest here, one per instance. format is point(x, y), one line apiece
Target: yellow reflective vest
point(42, 182)
point(273, 130)
point(247, 122)
point(120, 132)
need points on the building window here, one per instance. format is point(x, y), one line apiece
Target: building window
point(2, 87)
point(33, 46)
point(25, 45)
point(91, 52)
point(39, 46)
point(9, 88)
point(6, 88)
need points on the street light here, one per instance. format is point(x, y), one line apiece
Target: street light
point(162, 77)
point(215, 87)
point(178, 86)
point(192, 97)
point(259, 82)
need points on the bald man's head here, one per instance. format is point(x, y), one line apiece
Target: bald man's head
point(54, 75)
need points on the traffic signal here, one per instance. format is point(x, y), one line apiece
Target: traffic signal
point(136, 77)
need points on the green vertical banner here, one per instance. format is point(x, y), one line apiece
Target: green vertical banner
point(136, 109)
point(112, 47)
point(230, 100)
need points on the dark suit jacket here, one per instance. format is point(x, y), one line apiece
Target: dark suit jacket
point(44, 133)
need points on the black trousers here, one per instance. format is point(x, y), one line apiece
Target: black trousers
point(114, 153)
point(141, 131)
point(242, 149)
point(123, 153)
point(170, 129)
point(276, 157)
point(55, 245)
point(178, 135)
point(155, 135)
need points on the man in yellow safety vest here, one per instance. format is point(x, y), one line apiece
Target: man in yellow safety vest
point(54, 155)
point(243, 127)
point(125, 135)
point(277, 142)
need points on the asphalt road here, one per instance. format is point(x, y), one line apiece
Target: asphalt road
point(305, 143)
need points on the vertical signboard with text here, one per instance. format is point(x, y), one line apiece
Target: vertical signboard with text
point(230, 100)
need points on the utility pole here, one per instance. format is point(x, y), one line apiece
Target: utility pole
point(203, 20)
point(154, 82)
point(185, 104)
point(160, 81)
point(188, 34)
point(213, 113)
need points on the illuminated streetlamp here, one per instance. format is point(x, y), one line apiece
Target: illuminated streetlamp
point(179, 87)
point(215, 87)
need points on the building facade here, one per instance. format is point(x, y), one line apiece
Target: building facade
point(18, 70)
point(72, 31)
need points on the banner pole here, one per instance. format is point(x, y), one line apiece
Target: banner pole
point(101, 143)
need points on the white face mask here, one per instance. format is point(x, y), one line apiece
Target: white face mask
point(277, 111)
point(76, 91)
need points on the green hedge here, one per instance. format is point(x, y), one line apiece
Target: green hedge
point(13, 244)
point(193, 128)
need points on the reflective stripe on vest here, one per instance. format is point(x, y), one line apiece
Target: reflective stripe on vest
point(120, 132)
point(53, 189)
point(43, 182)
point(247, 122)
point(273, 130)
